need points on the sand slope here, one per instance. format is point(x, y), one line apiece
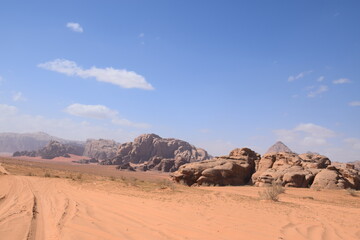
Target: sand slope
point(52, 208)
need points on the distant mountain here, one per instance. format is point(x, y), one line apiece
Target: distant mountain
point(279, 147)
point(12, 142)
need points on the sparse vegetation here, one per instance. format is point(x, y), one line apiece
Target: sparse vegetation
point(30, 174)
point(166, 184)
point(271, 192)
point(351, 192)
point(47, 174)
point(79, 176)
point(112, 178)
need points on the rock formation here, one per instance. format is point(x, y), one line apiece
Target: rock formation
point(56, 149)
point(235, 169)
point(165, 154)
point(52, 150)
point(279, 147)
point(101, 149)
point(289, 169)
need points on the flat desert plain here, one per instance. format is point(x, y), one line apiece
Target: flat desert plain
point(41, 200)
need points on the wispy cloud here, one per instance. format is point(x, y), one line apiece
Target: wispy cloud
point(141, 35)
point(318, 91)
point(119, 77)
point(298, 76)
point(320, 79)
point(306, 134)
point(355, 104)
point(75, 27)
point(7, 109)
point(18, 96)
point(101, 112)
point(90, 111)
point(341, 81)
point(12, 120)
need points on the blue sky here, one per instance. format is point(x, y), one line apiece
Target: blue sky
point(219, 74)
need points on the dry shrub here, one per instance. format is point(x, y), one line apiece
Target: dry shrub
point(351, 192)
point(271, 192)
point(166, 184)
point(47, 174)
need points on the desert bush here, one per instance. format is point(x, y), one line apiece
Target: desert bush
point(351, 192)
point(79, 176)
point(112, 178)
point(30, 174)
point(166, 184)
point(271, 192)
point(47, 174)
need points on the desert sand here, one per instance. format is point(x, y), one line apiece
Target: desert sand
point(58, 201)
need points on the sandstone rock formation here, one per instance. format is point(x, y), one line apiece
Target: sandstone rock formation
point(52, 150)
point(279, 147)
point(101, 149)
point(56, 149)
point(235, 169)
point(337, 178)
point(164, 154)
point(289, 169)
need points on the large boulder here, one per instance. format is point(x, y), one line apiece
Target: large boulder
point(235, 169)
point(101, 149)
point(330, 178)
point(164, 154)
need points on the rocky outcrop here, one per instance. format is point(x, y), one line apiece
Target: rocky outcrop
point(279, 147)
point(289, 169)
point(337, 178)
point(25, 153)
point(56, 149)
point(101, 149)
point(235, 169)
point(164, 154)
point(125, 166)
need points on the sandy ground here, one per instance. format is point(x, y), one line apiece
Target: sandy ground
point(73, 205)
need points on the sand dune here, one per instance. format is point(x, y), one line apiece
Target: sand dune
point(58, 208)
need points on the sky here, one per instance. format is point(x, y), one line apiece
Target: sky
point(218, 74)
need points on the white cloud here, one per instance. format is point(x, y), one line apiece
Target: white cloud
point(141, 35)
point(353, 142)
point(318, 91)
point(90, 111)
point(311, 137)
point(320, 79)
point(11, 120)
point(341, 81)
point(7, 109)
point(315, 130)
point(306, 134)
point(75, 27)
point(355, 104)
point(120, 77)
point(101, 112)
point(298, 76)
point(18, 96)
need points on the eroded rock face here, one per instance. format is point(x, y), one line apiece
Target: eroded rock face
point(100, 149)
point(337, 177)
point(235, 169)
point(56, 149)
point(164, 154)
point(289, 169)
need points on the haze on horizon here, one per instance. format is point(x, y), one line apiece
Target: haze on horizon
point(219, 75)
